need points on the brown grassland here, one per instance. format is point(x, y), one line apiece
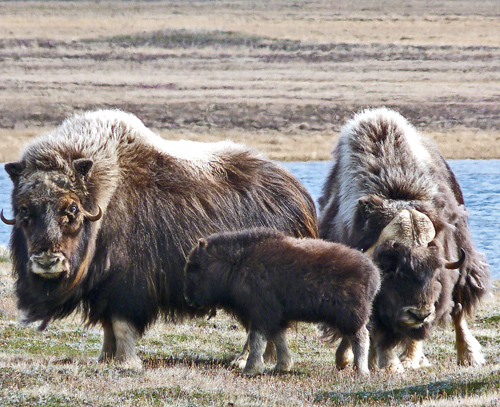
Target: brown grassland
point(282, 76)
point(279, 75)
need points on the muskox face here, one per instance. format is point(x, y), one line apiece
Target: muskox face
point(198, 288)
point(410, 287)
point(50, 218)
point(412, 264)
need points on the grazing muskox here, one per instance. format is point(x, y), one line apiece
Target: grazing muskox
point(391, 194)
point(105, 213)
point(267, 280)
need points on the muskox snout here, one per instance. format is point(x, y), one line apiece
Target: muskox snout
point(48, 265)
point(417, 316)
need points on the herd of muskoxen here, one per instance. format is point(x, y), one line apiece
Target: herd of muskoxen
point(113, 221)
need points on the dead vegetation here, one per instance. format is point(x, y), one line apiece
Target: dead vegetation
point(279, 76)
point(189, 365)
point(283, 78)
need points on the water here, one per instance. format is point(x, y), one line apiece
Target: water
point(479, 180)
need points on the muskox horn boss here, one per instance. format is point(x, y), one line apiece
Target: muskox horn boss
point(452, 265)
point(92, 218)
point(7, 221)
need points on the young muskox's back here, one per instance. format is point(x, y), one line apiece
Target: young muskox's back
point(268, 279)
point(300, 273)
point(145, 201)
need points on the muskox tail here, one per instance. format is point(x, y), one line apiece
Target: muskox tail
point(330, 333)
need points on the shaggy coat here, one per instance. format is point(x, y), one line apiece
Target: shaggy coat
point(391, 193)
point(106, 213)
point(267, 280)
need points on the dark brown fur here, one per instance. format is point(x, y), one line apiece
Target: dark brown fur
point(129, 265)
point(267, 280)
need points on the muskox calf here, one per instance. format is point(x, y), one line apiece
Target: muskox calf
point(267, 280)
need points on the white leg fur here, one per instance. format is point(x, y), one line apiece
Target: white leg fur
point(241, 360)
point(125, 336)
point(413, 356)
point(108, 351)
point(389, 360)
point(344, 355)
point(360, 346)
point(468, 348)
point(284, 359)
point(255, 362)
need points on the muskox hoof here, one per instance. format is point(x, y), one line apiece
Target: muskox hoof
point(253, 371)
point(284, 366)
point(240, 361)
point(416, 363)
point(363, 373)
point(471, 355)
point(134, 363)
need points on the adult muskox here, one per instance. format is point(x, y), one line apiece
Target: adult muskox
point(106, 213)
point(391, 194)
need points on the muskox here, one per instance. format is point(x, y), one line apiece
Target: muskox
point(391, 194)
point(267, 280)
point(106, 211)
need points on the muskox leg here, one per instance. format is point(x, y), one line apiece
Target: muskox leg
point(241, 360)
point(344, 355)
point(255, 362)
point(413, 356)
point(119, 343)
point(468, 348)
point(360, 346)
point(284, 359)
point(386, 356)
point(108, 351)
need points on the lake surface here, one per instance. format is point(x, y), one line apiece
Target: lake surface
point(479, 179)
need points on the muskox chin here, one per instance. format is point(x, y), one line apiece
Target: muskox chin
point(391, 194)
point(106, 212)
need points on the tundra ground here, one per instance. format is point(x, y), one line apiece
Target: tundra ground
point(188, 364)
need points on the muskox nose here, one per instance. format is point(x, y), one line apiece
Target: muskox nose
point(419, 315)
point(45, 260)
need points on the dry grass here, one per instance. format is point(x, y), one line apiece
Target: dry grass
point(283, 77)
point(188, 365)
point(278, 76)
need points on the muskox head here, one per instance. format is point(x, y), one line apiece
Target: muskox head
point(199, 288)
point(414, 269)
point(50, 220)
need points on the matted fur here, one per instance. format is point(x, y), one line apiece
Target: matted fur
point(382, 165)
point(158, 197)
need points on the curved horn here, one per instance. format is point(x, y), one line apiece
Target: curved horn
point(94, 218)
point(452, 265)
point(7, 221)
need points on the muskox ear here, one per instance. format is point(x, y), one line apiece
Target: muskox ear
point(14, 170)
point(367, 205)
point(202, 243)
point(83, 166)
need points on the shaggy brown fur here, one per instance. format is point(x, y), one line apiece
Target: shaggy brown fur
point(157, 198)
point(384, 169)
point(267, 280)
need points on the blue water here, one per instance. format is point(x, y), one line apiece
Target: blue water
point(479, 179)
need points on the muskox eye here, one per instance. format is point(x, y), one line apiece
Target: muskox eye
point(73, 209)
point(23, 211)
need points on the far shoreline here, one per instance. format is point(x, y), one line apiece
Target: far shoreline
point(289, 146)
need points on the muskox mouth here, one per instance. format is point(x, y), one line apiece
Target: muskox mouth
point(417, 317)
point(48, 265)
